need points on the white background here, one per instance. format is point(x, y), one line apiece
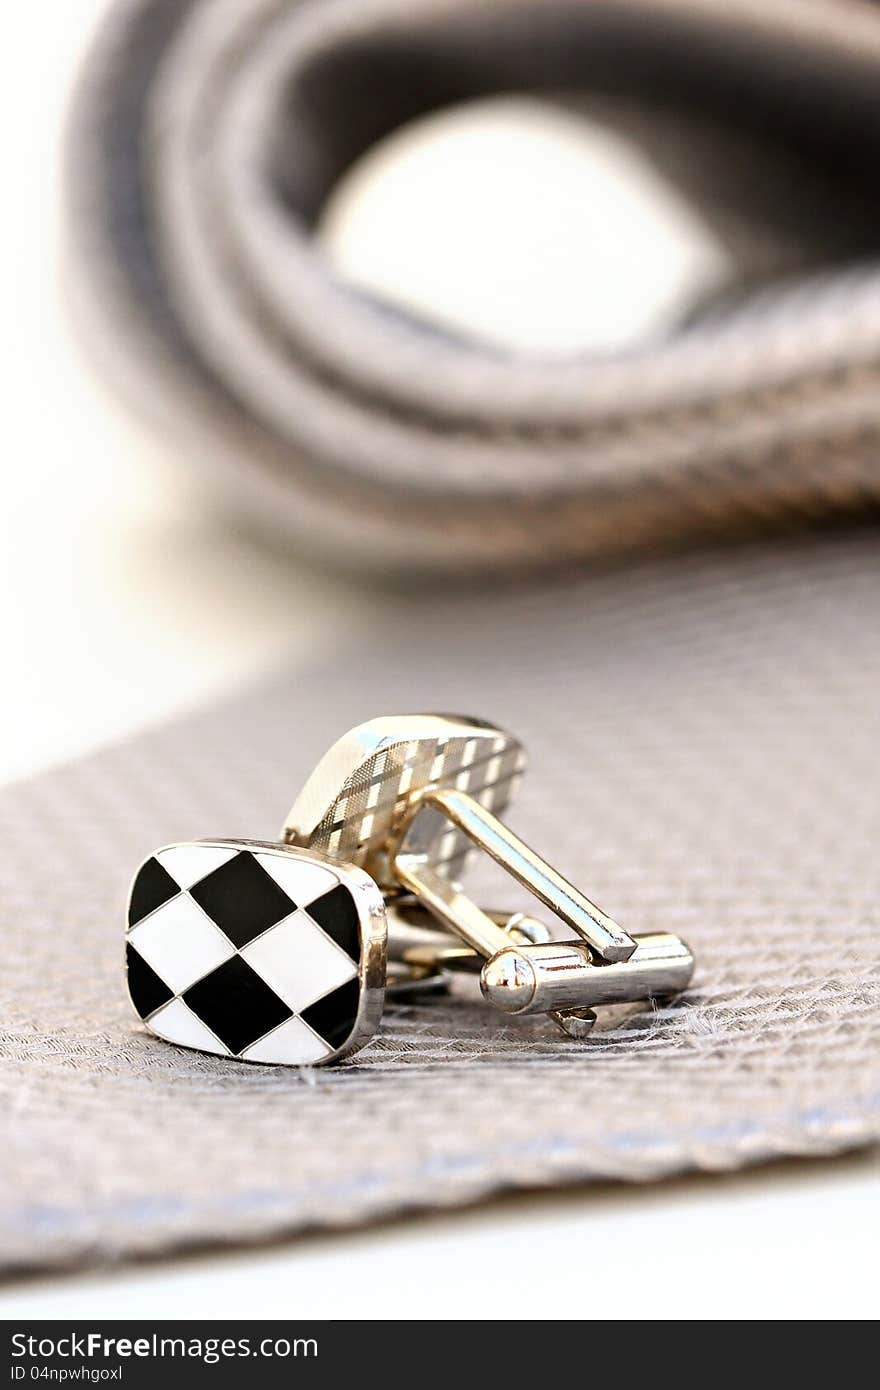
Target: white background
point(125, 598)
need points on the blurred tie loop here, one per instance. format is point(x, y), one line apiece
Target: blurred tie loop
point(207, 137)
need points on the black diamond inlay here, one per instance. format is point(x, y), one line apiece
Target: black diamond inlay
point(237, 1004)
point(152, 887)
point(337, 914)
point(242, 899)
point(148, 991)
point(333, 1016)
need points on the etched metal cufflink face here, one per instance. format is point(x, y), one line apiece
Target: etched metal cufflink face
point(358, 798)
point(256, 951)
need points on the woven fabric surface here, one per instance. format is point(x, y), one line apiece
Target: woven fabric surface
point(703, 734)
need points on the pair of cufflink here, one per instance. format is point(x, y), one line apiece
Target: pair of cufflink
point(284, 952)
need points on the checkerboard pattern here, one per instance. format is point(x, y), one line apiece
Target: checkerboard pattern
point(374, 800)
point(249, 953)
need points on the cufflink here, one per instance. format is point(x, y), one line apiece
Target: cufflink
point(284, 952)
point(257, 951)
point(407, 798)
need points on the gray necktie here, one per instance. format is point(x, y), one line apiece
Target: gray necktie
point(207, 136)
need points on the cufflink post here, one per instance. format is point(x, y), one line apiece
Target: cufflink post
point(484, 830)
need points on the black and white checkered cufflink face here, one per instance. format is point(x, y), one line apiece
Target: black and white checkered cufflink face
point(255, 951)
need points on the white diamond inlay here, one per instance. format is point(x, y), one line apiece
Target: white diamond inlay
point(180, 942)
point(293, 1042)
point(178, 1024)
point(299, 961)
point(188, 863)
point(301, 881)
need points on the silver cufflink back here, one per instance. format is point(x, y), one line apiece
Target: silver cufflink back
point(408, 798)
point(283, 952)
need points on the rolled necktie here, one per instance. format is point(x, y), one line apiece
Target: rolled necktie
point(207, 136)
